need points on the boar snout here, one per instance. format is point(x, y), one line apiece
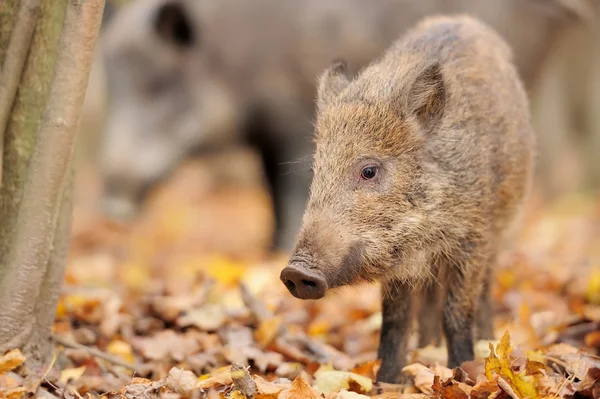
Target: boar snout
point(302, 282)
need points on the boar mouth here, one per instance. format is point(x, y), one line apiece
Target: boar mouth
point(302, 281)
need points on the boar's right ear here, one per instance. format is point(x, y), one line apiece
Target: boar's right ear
point(172, 24)
point(427, 96)
point(332, 82)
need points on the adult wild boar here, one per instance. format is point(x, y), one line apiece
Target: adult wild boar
point(422, 162)
point(185, 75)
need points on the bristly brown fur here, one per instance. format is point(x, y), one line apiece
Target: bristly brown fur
point(444, 118)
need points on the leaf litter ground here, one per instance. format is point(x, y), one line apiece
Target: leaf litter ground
point(186, 302)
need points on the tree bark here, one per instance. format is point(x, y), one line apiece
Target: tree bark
point(35, 197)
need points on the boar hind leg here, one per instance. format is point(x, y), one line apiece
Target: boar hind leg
point(465, 283)
point(395, 328)
point(430, 324)
point(485, 310)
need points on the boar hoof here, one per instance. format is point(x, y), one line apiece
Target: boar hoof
point(303, 283)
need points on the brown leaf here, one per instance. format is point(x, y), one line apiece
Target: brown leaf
point(450, 391)
point(300, 389)
point(242, 380)
point(181, 381)
point(368, 369)
point(268, 388)
point(166, 344)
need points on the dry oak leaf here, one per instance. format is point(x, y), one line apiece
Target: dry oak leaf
point(181, 381)
point(11, 360)
point(300, 389)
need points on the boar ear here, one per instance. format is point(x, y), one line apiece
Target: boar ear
point(427, 96)
point(172, 23)
point(332, 82)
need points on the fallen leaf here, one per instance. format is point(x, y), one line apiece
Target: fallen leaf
point(11, 360)
point(327, 381)
point(343, 394)
point(121, 349)
point(524, 385)
point(300, 389)
point(267, 330)
point(265, 387)
point(219, 378)
point(181, 381)
point(71, 374)
point(368, 369)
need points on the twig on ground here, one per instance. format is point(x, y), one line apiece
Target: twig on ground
point(95, 352)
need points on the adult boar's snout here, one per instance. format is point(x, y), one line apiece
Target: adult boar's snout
point(302, 282)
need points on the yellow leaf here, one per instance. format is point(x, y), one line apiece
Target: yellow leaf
point(11, 360)
point(218, 378)
point(593, 287)
point(237, 395)
point(14, 393)
point(501, 364)
point(334, 380)
point(492, 363)
point(225, 271)
point(267, 331)
point(71, 374)
point(121, 349)
point(135, 275)
point(317, 328)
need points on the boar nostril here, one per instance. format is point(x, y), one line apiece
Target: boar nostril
point(309, 283)
point(303, 283)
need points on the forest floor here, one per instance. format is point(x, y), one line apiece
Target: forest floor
point(165, 306)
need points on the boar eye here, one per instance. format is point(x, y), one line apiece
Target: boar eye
point(368, 172)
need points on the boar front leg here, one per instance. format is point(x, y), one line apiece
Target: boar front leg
point(465, 284)
point(430, 324)
point(397, 315)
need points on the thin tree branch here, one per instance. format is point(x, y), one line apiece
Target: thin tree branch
point(14, 61)
point(96, 353)
point(49, 165)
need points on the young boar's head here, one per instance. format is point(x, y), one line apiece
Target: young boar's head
point(162, 103)
point(369, 201)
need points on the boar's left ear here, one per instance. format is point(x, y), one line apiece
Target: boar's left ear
point(172, 23)
point(332, 82)
point(427, 96)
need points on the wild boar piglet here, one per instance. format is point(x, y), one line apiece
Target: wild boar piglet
point(422, 162)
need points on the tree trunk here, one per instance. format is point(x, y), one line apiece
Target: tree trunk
point(38, 136)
